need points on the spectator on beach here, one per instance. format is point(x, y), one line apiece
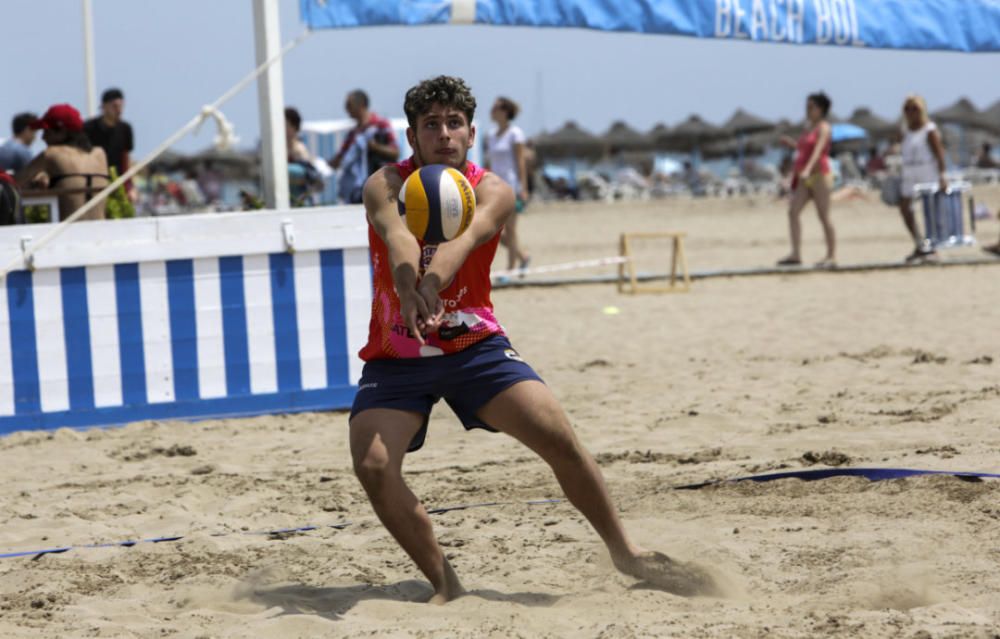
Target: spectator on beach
point(304, 179)
point(113, 134)
point(875, 164)
point(812, 180)
point(369, 146)
point(923, 162)
point(70, 163)
point(985, 158)
point(297, 149)
point(692, 179)
point(505, 156)
point(16, 152)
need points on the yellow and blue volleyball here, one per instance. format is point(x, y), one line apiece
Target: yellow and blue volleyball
point(437, 203)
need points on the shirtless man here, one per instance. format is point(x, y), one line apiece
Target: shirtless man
point(70, 163)
point(433, 335)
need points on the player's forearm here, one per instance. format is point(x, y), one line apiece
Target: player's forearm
point(404, 259)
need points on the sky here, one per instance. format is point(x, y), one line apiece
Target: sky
point(171, 57)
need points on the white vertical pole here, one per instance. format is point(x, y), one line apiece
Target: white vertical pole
point(88, 58)
point(271, 105)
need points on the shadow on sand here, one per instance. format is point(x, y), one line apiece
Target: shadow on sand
point(333, 602)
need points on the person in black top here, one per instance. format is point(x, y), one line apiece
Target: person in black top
point(113, 134)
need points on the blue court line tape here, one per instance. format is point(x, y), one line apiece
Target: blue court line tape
point(871, 474)
point(37, 554)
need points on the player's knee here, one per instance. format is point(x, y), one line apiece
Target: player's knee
point(372, 468)
point(563, 448)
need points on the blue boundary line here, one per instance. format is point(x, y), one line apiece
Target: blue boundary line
point(37, 554)
point(871, 474)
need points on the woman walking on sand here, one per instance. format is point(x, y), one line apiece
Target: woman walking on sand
point(812, 180)
point(505, 156)
point(923, 162)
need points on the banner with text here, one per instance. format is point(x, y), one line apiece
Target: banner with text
point(956, 25)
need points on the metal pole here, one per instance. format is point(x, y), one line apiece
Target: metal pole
point(88, 58)
point(271, 106)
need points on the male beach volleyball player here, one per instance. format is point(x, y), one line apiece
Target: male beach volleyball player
point(433, 335)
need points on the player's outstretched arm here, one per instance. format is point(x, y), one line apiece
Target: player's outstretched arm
point(494, 205)
point(380, 195)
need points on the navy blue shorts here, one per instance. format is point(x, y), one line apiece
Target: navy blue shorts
point(466, 380)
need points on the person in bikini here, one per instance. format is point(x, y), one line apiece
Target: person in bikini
point(70, 165)
point(811, 180)
point(433, 335)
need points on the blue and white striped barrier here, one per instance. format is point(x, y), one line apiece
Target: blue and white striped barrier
point(224, 315)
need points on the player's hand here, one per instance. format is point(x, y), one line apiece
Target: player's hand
point(414, 310)
point(943, 184)
point(429, 290)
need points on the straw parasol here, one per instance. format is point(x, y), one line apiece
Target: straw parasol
point(622, 137)
point(993, 114)
point(689, 136)
point(571, 142)
point(964, 114)
point(742, 123)
point(876, 127)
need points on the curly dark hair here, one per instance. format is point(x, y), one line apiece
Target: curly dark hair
point(444, 90)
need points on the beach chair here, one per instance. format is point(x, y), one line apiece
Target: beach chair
point(944, 215)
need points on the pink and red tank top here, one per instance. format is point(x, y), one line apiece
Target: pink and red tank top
point(468, 315)
point(804, 150)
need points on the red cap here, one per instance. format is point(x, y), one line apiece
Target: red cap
point(60, 116)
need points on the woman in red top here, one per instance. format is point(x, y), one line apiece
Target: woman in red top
point(812, 180)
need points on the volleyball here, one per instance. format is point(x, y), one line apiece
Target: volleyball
point(437, 203)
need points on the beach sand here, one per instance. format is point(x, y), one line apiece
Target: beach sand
point(740, 376)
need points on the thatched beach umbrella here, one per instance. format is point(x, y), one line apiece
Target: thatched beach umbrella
point(876, 127)
point(689, 136)
point(569, 142)
point(992, 114)
point(741, 122)
point(622, 137)
point(964, 114)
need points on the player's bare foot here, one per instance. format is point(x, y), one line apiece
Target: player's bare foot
point(687, 579)
point(451, 589)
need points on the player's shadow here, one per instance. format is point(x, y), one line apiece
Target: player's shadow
point(332, 602)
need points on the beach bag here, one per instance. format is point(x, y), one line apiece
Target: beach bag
point(892, 190)
point(10, 201)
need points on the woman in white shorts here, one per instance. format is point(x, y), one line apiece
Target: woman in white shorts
point(923, 162)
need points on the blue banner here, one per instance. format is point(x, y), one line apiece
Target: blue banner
point(955, 25)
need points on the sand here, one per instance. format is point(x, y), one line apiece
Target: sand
point(739, 376)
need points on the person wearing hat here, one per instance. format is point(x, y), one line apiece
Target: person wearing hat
point(113, 134)
point(70, 165)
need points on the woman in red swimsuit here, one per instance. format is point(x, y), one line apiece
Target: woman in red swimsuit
point(812, 180)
